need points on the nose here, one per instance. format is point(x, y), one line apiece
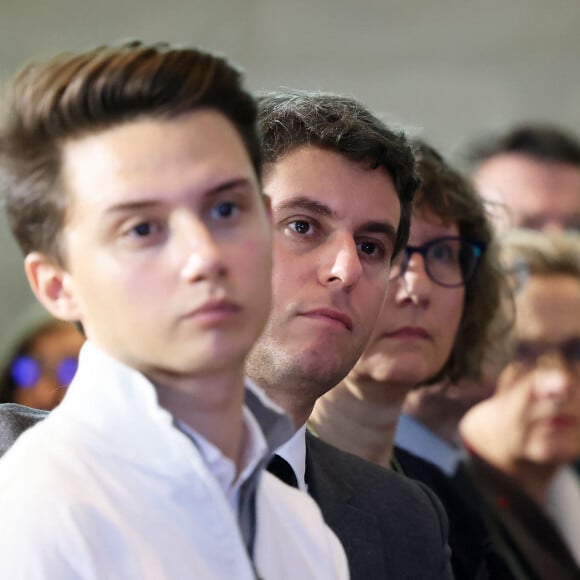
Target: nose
point(553, 379)
point(200, 252)
point(341, 266)
point(414, 285)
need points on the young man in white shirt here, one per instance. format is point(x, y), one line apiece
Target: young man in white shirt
point(132, 185)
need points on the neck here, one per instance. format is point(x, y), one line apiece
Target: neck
point(211, 404)
point(362, 424)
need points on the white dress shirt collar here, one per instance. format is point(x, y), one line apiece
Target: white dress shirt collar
point(294, 452)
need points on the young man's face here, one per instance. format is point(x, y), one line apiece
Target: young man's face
point(334, 232)
point(167, 244)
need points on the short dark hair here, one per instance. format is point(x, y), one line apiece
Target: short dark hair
point(544, 143)
point(453, 198)
point(291, 119)
point(71, 95)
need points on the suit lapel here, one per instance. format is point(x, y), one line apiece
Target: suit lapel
point(357, 530)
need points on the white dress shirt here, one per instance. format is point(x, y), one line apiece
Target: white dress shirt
point(108, 487)
point(294, 452)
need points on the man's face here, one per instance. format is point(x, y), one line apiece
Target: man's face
point(540, 389)
point(527, 193)
point(167, 244)
point(334, 231)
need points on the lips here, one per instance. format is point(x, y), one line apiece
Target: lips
point(329, 314)
point(560, 421)
point(408, 332)
point(215, 309)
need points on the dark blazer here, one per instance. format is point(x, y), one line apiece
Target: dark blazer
point(391, 527)
point(474, 553)
point(14, 419)
point(521, 530)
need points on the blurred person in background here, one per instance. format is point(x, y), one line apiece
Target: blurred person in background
point(435, 328)
point(41, 364)
point(522, 438)
point(530, 177)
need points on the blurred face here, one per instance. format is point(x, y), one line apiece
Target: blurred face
point(416, 329)
point(167, 244)
point(536, 195)
point(45, 371)
point(334, 231)
point(540, 389)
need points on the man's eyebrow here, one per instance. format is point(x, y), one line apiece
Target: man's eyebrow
point(307, 204)
point(379, 228)
point(146, 203)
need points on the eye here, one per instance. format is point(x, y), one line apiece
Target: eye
point(144, 229)
point(525, 353)
point(300, 226)
point(443, 252)
point(371, 249)
point(225, 210)
point(572, 351)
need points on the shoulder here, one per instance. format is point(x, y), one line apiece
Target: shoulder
point(14, 420)
point(330, 466)
point(385, 521)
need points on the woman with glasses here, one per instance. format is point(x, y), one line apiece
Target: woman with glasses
point(41, 364)
point(435, 328)
point(522, 439)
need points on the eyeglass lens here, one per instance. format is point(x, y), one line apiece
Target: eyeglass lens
point(26, 371)
point(530, 353)
point(448, 261)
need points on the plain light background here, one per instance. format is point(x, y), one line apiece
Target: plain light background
point(447, 70)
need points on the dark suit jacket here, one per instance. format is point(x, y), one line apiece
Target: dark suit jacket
point(474, 553)
point(14, 419)
point(520, 528)
point(390, 527)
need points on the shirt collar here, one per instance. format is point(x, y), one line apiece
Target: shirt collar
point(117, 403)
point(222, 467)
point(294, 452)
point(414, 437)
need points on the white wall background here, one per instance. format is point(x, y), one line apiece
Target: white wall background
point(447, 69)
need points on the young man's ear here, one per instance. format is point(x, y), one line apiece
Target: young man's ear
point(52, 286)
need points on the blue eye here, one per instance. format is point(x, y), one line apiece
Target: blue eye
point(143, 229)
point(225, 209)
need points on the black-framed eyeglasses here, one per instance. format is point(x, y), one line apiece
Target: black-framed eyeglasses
point(449, 261)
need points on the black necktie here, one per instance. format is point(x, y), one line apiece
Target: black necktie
point(279, 467)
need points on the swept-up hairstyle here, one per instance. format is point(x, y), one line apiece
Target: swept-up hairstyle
point(72, 95)
point(291, 119)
